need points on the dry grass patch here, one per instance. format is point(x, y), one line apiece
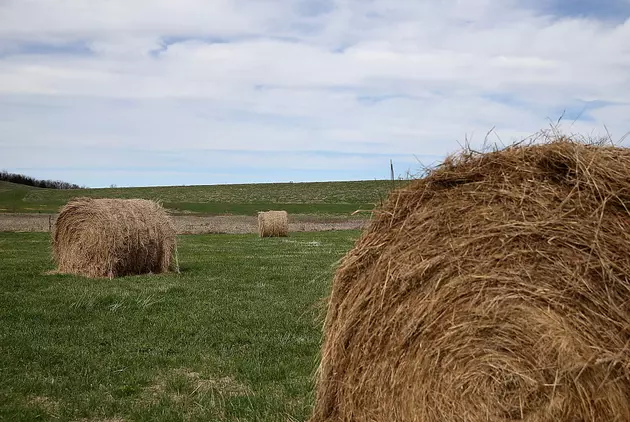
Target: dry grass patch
point(193, 392)
point(45, 404)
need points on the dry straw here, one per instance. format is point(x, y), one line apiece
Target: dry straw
point(273, 224)
point(113, 237)
point(496, 288)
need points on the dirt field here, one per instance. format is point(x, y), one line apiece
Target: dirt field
point(187, 224)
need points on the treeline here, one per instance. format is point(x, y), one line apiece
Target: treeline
point(30, 181)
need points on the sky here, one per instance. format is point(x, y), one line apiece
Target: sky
point(188, 92)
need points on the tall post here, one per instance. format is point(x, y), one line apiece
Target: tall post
point(391, 167)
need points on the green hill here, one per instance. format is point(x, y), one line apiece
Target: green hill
point(330, 198)
point(12, 196)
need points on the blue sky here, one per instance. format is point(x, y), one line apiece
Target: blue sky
point(611, 10)
point(233, 91)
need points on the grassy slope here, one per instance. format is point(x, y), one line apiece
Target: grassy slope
point(232, 338)
point(12, 196)
point(335, 198)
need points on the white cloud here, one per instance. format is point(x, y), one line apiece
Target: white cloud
point(71, 19)
point(377, 77)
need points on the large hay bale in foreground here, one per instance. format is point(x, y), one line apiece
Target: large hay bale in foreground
point(495, 288)
point(273, 224)
point(113, 237)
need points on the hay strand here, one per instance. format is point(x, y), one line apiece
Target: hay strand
point(495, 288)
point(273, 224)
point(113, 237)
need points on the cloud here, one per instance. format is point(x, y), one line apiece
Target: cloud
point(282, 81)
point(67, 20)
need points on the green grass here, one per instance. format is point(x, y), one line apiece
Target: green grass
point(234, 337)
point(331, 198)
point(12, 196)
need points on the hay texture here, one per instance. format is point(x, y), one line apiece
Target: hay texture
point(496, 288)
point(273, 224)
point(113, 237)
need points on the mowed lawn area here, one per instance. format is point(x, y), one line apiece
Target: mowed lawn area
point(234, 337)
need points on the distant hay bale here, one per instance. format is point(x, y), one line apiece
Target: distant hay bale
point(113, 237)
point(273, 224)
point(495, 288)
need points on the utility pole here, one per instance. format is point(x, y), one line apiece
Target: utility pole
point(391, 167)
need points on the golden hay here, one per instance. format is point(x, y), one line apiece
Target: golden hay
point(495, 288)
point(273, 224)
point(113, 237)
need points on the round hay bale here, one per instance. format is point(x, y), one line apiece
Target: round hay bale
point(113, 237)
point(496, 288)
point(273, 224)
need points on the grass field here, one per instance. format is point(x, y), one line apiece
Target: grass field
point(331, 198)
point(234, 337)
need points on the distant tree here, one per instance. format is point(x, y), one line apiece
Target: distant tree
point(30, 181)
